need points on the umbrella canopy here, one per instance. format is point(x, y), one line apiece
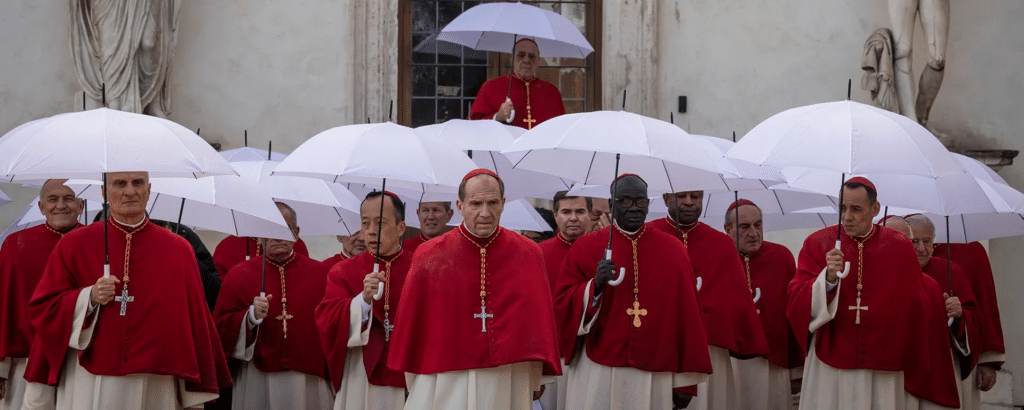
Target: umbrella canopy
point(371, 153)
point(485, 139)
point(496, 26)
point(4, 199)
point(322, 208)
point(252, 154)
point(229, 204)
point(86, 144)
point(589, 147)
point(846, 137)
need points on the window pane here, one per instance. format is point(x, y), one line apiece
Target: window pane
point(424, 16)
point(475, 78)
point(423, 81)
point(449, 81)
point(423, 48)
point(422, 112)
point(449, 109)
point(573, 83)
point(573, 107)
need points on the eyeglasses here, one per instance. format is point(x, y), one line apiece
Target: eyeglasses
point(627, 202)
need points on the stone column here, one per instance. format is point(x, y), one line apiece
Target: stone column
point(629, 58)
point(375, 83)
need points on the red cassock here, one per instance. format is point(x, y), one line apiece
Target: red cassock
point(887, 339)
point(939, 384)
point(333, 260)
point(344, 283)
point(554, 250)
point(304, 287)
point(232, 250)
point(167, 329)
point(23, 258)
point(671, 336)
point(974, 261)
point(410, 245)
point(970, 324)
point(537, 100)
point(436, 331)
point(729, 312)
point(771, 269)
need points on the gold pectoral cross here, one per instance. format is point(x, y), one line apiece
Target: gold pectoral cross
point(858, 308)
point(529, 120)
point(283, 317)
point(636, 312)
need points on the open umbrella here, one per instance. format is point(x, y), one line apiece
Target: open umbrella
point(4, 198)
point(843, 138)
point(89, 144)
point(484, 140)
point(497, 27)
point(379, 154)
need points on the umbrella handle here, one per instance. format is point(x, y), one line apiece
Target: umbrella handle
point(380, 287)
point(622, 271)
point(512, 114)
point(106, 270)
point(949, 322)
point(846, 270)
point(757, 294)
point(700, 283)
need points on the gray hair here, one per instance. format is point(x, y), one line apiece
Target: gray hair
point(920, 219)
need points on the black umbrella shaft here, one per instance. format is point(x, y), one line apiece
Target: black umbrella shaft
point(839, 227)
point(181, 211)
point(515, 38)
point(380, 218)
point(263, 276)
point(106, 235)
point(736, 199)
point(949, 261)
point(613, 201)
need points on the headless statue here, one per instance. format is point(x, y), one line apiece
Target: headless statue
point(934, 16)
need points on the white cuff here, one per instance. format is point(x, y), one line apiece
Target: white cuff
point(965, 347)
point(823, 311)
point(584, 324)
point(357, 336)
point(251, 320)
point(366, 309)
point(81, 334)
point(193, 399)
point(831, 287)
point(244, 351)
point(992, 357)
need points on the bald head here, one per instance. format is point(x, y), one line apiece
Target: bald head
point(898, 224)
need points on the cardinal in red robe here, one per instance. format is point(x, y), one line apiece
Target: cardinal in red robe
point(23, 257)
point(476, 316)
point(730, 317)
point(991, 350)
point(861, 331)
point(644, 336)
point(275, 335)
point(433, 218)
point(355, 329)
point(351, 246)
point(237, 249)
point(533, 100)
point(154, 345)
point(769, 268)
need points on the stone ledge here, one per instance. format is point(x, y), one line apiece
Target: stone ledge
point(994, 158)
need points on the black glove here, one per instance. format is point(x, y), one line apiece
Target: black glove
point(605, 273)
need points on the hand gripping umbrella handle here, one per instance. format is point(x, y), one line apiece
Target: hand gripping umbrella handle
point(511, 114)
point(380, 286)
point(252, 310)
point(846, 269)
point(757, 294)
point(700, 283)
point(622, 271)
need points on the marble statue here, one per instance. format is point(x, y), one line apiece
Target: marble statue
point(934, 17)
point(125, 47)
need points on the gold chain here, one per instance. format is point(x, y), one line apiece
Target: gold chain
point(746, 270)
point(683, 234)
point(635, 311)
point(284, 294)
point(483, 262)
point(562, 238)
point(127, 253)
point(51, 229)
point(387, 283)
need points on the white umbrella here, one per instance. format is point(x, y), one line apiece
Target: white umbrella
point(4, 198)
point(227, 203)
point(846, 137)
point(484, 140)
point(324, 208)
point(592, 147)
point(376, 154)
point(379, 154)
point(252, 154)
point(86, 144)
point(497, 26)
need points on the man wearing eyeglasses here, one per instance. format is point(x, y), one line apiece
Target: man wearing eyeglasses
point(643, 336)
point(733, 327)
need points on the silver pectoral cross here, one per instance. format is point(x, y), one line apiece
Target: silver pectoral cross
point(483, 316)
point(124, 299)
point(388, 327)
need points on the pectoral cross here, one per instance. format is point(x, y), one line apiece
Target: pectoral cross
point(858, 308)
point(388, 327)
point(636, 312)
point(283, 317)
point(124, 299)
point(483, 316)
point(529, 120)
